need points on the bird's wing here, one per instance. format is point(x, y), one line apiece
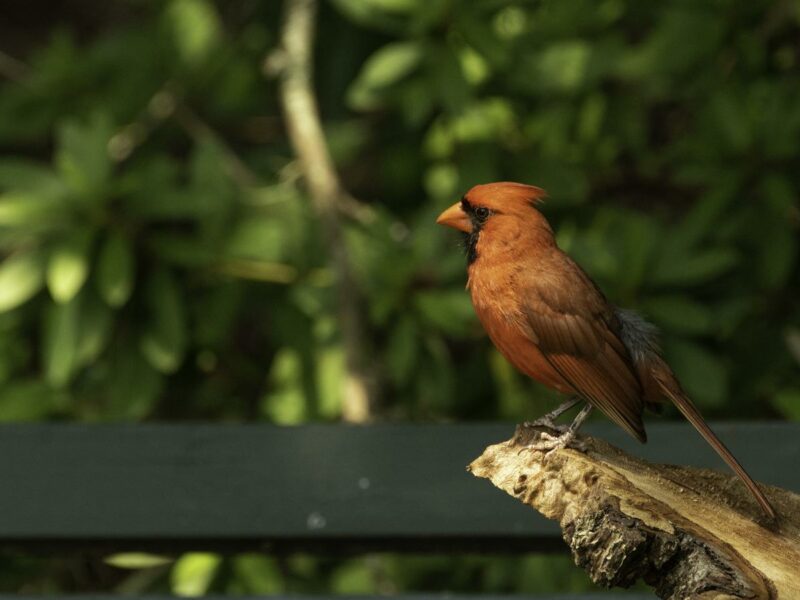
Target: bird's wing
point(572, 325)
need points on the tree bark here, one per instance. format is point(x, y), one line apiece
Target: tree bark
point(689, 533)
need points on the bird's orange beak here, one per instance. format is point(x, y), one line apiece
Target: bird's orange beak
point(456, 218)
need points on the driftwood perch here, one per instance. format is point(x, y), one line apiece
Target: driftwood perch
point(690, 533)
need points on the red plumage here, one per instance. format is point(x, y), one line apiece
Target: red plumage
point(549, 319)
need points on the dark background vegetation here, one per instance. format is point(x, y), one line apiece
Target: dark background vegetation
point(161, 260)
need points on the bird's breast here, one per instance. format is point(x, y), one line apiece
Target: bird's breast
point(501, 310)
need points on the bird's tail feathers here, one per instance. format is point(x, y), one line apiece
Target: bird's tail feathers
point(672, 390)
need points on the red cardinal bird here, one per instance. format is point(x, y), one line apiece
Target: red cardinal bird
point(550, 320)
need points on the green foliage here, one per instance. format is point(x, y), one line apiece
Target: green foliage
point(136, 560)
point(160, 260)
point(193, 573)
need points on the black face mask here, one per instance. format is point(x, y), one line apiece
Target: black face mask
point(478, 216)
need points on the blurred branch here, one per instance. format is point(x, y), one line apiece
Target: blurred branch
point(294, 64)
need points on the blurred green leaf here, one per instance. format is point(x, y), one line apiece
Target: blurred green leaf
point(68, 266)
point(136, 560)
point(82, 156)
point(384, 68)
point(28, 400)
point(492, 119)
point(354, 577)
point(564, 66)
point(285, 403)
point(116, 270)
point(31, 211)
point(258, 575)
point(211, 185)
point(193, 573)
point(195, 28)
point(21, 278)
point(164, 341)
point(96, 324)
point(395, 6)
point(330, 381)
point(346, 140)
point(788, 403)
point(591, 117)
point(550, 574)
point(385, 14)
point(267, 238)
point(475, 67)
point(441, 181)
point(61, 333)
point(131, 385)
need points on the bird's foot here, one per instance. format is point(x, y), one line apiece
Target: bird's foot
point(544, 422)
point(544, 435)
point(546, 442)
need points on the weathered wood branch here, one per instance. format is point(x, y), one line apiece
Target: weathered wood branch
point(690, 533)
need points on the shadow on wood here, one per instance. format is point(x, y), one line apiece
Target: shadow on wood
point(690, 533)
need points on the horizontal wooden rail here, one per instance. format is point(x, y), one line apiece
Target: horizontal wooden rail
point(325, 488)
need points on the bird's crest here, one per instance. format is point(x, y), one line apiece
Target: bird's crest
point(496, 195)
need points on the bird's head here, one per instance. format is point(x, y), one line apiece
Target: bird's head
point(496, 214)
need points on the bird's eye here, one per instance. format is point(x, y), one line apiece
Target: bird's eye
point(482, 213)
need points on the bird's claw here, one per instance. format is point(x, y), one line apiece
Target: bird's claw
point(546, 442)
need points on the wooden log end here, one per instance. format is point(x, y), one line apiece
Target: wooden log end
point(689, 533)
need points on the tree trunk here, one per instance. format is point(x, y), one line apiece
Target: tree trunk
point(690, 533)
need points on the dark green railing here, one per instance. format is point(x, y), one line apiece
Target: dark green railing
point(318, 488)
